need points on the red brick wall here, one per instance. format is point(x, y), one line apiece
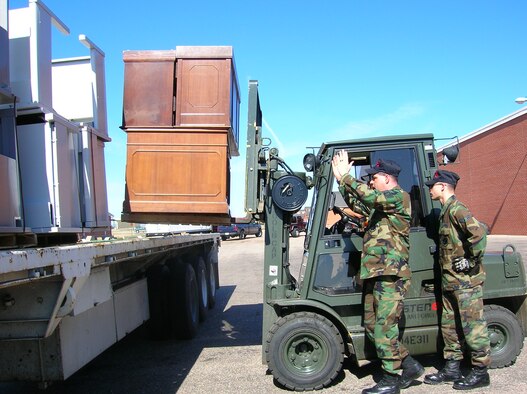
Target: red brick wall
point(493, 171)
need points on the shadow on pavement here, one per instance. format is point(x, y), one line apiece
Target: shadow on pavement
point(139, 364)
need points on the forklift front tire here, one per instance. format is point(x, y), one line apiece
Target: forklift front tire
point(304, 351)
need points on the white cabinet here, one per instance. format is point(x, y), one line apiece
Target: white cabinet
point(30, 52)
point(50, 168)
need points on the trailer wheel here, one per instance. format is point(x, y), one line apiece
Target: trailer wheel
point(203, 288)
point(304, 351)
point(185, 301)
point(158, 284)
point(506, 335)
point(211, 282)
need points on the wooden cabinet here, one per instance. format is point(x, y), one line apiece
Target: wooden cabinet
point(181, 116)
point(177, 176)
point(149, 88)
point(185, 87)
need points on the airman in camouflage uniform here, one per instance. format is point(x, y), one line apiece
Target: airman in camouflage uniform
point(384, 265)
point(462, 241)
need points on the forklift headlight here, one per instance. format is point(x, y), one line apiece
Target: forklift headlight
point(310, 162)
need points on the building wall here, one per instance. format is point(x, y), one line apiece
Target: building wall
point(493, 171)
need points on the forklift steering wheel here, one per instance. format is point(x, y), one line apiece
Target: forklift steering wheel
point(344, 217)
point(346, 224)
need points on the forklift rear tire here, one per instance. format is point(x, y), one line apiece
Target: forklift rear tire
point(304, 351)
point(506, 335)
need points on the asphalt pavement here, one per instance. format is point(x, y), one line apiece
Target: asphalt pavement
point(226, 355)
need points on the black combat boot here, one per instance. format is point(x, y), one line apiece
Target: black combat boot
point(477, 377)
point(389, 384)
point(412, 370)
point(449, 373)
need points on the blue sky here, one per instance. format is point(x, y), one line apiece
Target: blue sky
point(327, 70)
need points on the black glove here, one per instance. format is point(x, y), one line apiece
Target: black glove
point(461, 264)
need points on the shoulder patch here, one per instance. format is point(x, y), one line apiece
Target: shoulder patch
point(465, 219)
point(461, 212)
point(392, 192)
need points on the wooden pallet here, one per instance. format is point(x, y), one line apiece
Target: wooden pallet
point(17, 240)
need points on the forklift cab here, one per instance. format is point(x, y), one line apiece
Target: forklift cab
point(335, 239)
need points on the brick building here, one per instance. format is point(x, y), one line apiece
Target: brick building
point(492, 164)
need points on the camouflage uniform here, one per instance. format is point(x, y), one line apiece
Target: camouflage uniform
point(384, 265)
point(461, 235)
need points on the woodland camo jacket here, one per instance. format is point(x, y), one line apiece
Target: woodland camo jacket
point(460, 235)
point(386, 240)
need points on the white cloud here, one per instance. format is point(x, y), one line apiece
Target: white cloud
point(382, 125)
point(276, 142)
point(395, 122)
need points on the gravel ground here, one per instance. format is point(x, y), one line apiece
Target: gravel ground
point(225, 357)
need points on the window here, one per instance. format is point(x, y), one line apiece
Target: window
point(408, 180)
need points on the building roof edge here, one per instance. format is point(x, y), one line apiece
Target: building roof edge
point(486, 128)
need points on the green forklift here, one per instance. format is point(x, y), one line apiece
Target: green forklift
point(313, 321)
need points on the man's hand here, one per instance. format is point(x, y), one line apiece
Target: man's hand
point(340, 164)
point(461, 264)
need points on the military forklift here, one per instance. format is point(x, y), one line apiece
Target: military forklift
point(313, 321)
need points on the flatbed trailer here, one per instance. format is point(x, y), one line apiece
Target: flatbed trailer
point(61, 306)
point(64, 298)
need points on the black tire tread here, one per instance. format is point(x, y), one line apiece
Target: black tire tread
point(496, 314)
point(307, 317)
point(183, 295)
point(201, 275)
point(211, 277)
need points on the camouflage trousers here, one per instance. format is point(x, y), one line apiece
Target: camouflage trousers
point(383, 307)
point(465, 307)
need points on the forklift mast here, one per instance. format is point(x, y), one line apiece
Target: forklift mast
point(273, 194)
